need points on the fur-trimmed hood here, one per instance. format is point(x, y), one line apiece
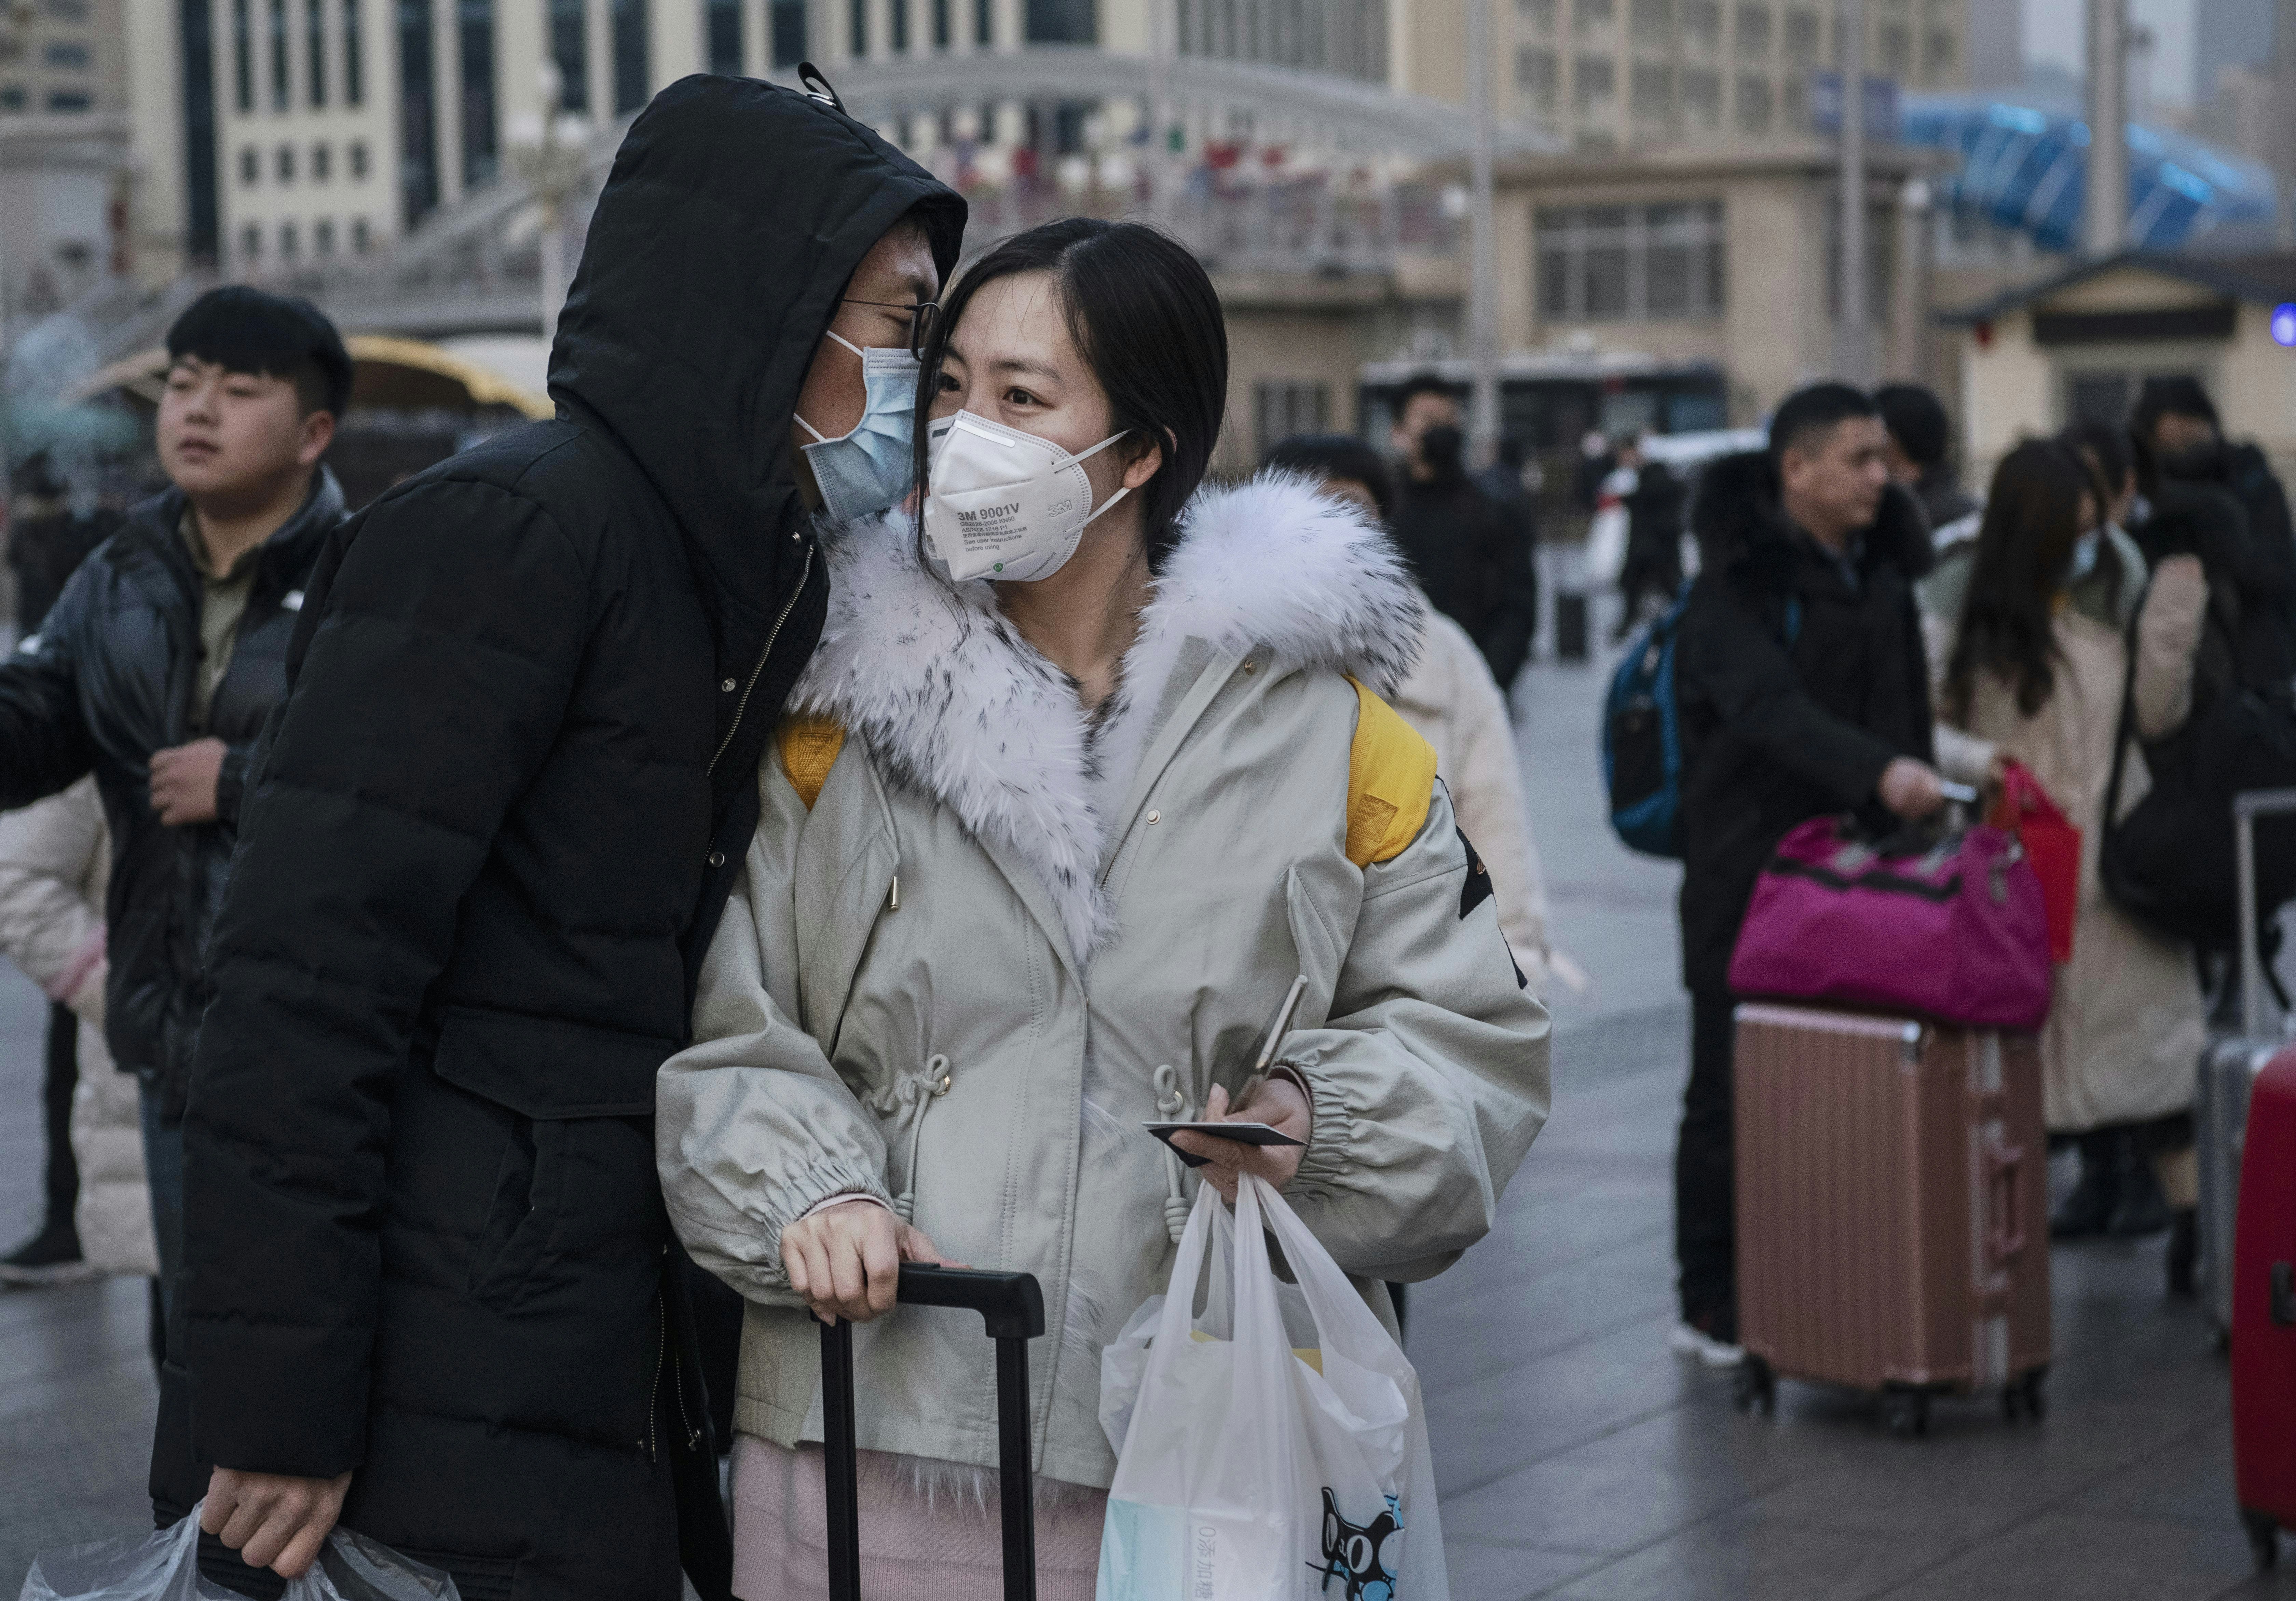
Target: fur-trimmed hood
point(950, 701)
point(1740, 522)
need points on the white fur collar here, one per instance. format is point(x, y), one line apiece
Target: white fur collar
point(952, 703)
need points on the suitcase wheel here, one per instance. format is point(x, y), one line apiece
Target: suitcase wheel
point(2263, 1539)
point(1755, 1387)
point(1907, 1412)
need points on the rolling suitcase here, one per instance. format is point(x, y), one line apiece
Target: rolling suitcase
point(1892, 1214)
point(1012, 1307)
point(2264, 1313)
point(2228, 1068)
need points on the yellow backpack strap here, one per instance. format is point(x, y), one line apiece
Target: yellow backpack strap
point(1390, 782)
point(810, 747)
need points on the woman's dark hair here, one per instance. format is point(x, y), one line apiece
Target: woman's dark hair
point(2108, 450)
point(1146, 320)
point(2024, 542)
point(1336, 455)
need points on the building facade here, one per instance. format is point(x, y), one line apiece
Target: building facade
point(62, 56)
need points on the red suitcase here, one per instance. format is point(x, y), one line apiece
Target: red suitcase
point(2264, 1313)
point(1893, 1226)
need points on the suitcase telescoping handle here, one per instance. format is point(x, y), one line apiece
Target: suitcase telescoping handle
point(1012, 1307)
point(2247, 807)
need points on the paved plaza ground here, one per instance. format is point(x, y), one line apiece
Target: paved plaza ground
point(1576, 1455)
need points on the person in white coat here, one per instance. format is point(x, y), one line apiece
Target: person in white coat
point(1451, 699)
point(55, 859)
point(1061, 812)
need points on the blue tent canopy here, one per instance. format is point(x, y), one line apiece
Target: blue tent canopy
point(2025, 168)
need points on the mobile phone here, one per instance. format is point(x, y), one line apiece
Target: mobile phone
point(1248, 1134)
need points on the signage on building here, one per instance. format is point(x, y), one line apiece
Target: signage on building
point(1880, 105)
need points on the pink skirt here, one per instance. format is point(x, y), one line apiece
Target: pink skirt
point(917, 1544)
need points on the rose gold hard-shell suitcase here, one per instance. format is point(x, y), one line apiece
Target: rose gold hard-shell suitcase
point(1892, 1210)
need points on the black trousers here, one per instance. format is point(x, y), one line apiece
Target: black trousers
point(1705, 1219)
point(60, 1188)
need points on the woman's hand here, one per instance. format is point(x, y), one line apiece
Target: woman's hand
point(845, 1260)
point(1276, 1101)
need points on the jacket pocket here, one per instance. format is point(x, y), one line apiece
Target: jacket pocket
point(574, 1188)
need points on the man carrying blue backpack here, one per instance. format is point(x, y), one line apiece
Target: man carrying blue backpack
point(1801, 689)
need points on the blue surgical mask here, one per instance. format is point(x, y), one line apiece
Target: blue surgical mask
point(868, 470)
point(2084, 558)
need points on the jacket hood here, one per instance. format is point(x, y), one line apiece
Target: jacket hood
point(952, 703)
point(735, 214)
point(1742, 524)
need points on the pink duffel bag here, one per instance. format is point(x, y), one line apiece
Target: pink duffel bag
point(1957, 932)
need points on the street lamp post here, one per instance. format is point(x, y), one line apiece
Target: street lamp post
point(1483, 273)
point(2104, 220)
point(552, 163)
point(1853, 340)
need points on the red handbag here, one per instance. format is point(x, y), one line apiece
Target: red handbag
point(2052, 844)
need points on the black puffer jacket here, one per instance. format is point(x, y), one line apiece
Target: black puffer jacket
point(499, 818)
point(106, 682)
point(1473, 558)
point(1776, 734)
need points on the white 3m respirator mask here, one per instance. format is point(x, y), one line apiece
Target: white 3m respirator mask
point(1004, 503)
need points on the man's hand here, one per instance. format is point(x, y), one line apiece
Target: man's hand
point(184, 782)
point(845, 1260)
point(274, 1521)
point(1909, 788)
point(1276, 1101)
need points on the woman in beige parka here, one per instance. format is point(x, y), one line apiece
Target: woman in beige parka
point(1036, 861)
point(2036, 678)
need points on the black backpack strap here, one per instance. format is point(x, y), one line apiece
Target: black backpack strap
point(2125, 729)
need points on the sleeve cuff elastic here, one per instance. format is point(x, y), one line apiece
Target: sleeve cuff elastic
point(1326, 1158)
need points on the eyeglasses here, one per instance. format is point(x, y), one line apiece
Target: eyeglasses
point(924, 320)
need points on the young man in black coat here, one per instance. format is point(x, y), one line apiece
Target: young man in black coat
point(1804, 690)
point(1653, 563)
point(1472, 554)
point(156, 665)
point(499, 816)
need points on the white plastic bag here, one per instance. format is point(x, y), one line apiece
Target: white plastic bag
point(165, 1566)
point(1606, 544)
point(1252, 1470)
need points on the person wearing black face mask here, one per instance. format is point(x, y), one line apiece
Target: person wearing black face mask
point(1472, 554)
point(2220, 502)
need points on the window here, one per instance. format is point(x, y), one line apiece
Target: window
point(323, 163)
point(724, 31)
point(984, 23)
point(1538, 15)
point(354, 57)
point(71, 56)
point(1753, 35)
point(476, 19)
point(323, 238)
point(1652, 21)
point(1793, 103)
point(570, 48)
point(358, 157)
point(284, 163)
point(856, 20)
point(1594, 82)
point(418, 133)
point(1701, 22)
point(630, 64)
point(65, 11)
point(315, 38)
point(278, 15)
point(899, 12)
point(789, 32)
point(1940, 53)
point(1588, 15)
point(242, 56)
point(250, 168)
point(359, 239)
point(940, 24)
point(1534, 77)
point(1651, 92)
point(1896, 51)
point(1801, 37)
point(69, 100)
point(1753, 104)
point(289, 243)
point(1060, 22)
point(1605, 263)
point(1284, 407)
point(250, 243)
point(1702, 98)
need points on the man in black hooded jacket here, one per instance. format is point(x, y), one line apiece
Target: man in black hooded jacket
point(500, 812)
point(1803, 690)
